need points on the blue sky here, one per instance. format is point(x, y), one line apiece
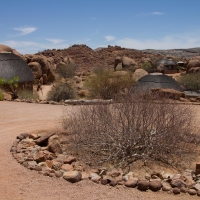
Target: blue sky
point(32, 26)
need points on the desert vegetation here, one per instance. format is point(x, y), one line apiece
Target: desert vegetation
point(106, 84)
point(1, 95)
point(27, 94)
point(61, 91)
point(190, 81)
point(140, 127)
point(66, 70)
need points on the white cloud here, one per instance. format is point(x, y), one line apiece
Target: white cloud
point(25, 30)
point(157, 13)
point(31, 47)
point(148, 14)
point(54, 41)
point(167, 42)
point(109, 38)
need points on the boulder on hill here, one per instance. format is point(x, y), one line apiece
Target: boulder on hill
point(41, 67)
point(139, 73)
point(67, 60)
point(193, 64)
point(4, 49)
point(36, 69)
point(194, 70)
point(7, 49)
point(89, 59)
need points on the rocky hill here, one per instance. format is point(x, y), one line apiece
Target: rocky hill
point(87, 58)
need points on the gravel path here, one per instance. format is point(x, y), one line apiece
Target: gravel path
point(19, 183)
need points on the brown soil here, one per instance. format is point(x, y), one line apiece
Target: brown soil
point(19, 183)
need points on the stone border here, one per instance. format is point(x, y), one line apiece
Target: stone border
point(92, 102)
point(44, 154)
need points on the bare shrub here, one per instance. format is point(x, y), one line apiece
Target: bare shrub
point(137, 128)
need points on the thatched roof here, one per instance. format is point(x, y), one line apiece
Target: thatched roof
point(166, 62)
point(12, 65)
point(157, 80)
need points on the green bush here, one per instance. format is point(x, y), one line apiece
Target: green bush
point(1, 95)
point(66, 71)
point(190, 81)
point(61, 91)
point(27, 94)
point(147, 67)
point(107, 84)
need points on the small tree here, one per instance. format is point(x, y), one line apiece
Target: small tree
point(12, 83)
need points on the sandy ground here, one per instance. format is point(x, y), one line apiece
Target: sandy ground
point(19, 183)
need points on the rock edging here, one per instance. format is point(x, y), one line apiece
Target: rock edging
point(44, 154)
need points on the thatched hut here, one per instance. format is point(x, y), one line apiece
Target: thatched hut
point(157, 80)
point(12, 66)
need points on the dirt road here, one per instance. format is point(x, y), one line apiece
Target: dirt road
point(19, 183)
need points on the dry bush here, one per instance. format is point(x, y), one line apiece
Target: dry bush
point(190, 81)
point(1, 95)
point(66, 70)
point(27, 94)
point(140, 127)
point(106, 85)
point(61, 91)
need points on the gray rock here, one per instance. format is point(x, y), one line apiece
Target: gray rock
point(44, 138)
point(131, 182)
point(192, 191)
point(143, 185)
point(155, 185)
point(95, 177)
point(54, 145)
point(32, 163)
point(58, 174)
point(113, 183)
point(73, 176)
point(196, 187)
point(176, 190)
point(166, 186)
point(177, 183)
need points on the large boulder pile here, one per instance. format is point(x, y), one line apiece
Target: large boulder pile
point(193, 65)
point(42, 67)
point(89, 59)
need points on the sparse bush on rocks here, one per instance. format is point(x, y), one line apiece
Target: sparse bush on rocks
point(61, 91)
point(190, 81)
point(140, 127)
point(106, 84)
point(66, 70)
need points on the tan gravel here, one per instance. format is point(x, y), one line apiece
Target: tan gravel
point(19, 183)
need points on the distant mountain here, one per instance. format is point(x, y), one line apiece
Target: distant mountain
point(179, 53)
